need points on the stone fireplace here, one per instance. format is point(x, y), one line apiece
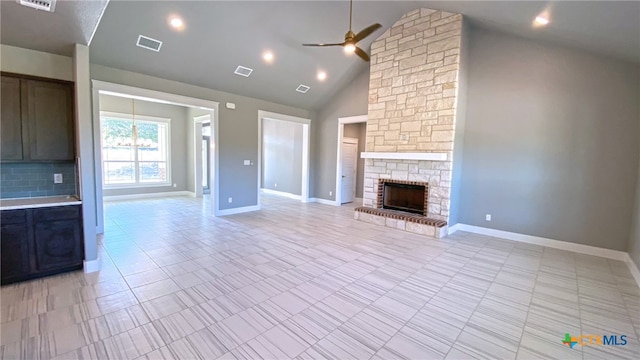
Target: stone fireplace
point(413, 98)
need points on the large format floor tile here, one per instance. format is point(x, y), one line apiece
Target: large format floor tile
point(306, 281)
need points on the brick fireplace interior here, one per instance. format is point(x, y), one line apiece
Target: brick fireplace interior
point(407, 196)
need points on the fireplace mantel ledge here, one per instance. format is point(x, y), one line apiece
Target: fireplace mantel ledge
point(405, 156)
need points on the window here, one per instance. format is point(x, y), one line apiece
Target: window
point(135, 152)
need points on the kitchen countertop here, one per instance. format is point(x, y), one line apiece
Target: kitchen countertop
point(38, 202)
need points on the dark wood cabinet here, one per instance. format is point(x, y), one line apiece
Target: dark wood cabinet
point(49, 114)
point(37, 119)
point(11, 126)
point(14, 240)
point(39, 242)
point(57, 237)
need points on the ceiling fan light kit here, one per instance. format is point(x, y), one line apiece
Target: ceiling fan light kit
point(351, 39)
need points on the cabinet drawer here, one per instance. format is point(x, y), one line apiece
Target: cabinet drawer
point(56, 213)
point(13, 217)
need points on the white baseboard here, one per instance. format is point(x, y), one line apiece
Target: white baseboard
point(92, 265)
point(324, 201)
point(281, 193)
point(453, 228)
point(149, 195)
point(633, 268)
point(556, 244)
point(238, 210)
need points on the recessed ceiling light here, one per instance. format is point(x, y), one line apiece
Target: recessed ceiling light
point(541, 20)
point(176, 22)
point(267, 56)
point(322, 75)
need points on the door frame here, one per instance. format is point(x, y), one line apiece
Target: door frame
point(304, 193)
point(352, 141)
point(198, 121)
point(107, 88)
point(341, 122)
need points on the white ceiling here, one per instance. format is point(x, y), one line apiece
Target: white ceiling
point(221, 35)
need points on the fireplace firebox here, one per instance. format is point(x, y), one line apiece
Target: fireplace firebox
point(408, 196)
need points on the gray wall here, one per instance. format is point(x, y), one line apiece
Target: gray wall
point(238, 129)
point(461, 120)
point(358, 131)
point(551, 142)
point(178, 128)
point(282, 156)
point(350, 101)
point(634, 241)
point(37, 63)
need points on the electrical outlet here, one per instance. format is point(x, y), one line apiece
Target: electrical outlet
point(487, 217)
point(330, 193)
point(57, 178)
point(275, 185)
point(230, 200)
point(175, 185)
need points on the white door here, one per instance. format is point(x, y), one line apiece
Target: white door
point(349, 166)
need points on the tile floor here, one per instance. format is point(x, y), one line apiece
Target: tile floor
point(306, 281)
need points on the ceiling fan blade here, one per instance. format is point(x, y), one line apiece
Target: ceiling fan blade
point(340, 44)
point(362, 54)
point(366, 32)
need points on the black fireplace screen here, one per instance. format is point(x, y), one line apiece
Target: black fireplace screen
point(403, 197)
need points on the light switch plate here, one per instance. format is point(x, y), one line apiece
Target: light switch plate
point(57, 178)
point(247, 162)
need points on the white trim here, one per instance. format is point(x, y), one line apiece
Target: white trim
point(405, 156)
point(149, 195)
point(453, 228)
point(152, 95)
point(306, 143)
point(92, 265)
point(323, 201)
point(633, 268)
point(556, 244)
point(341, 122)
point(353, 119)
point(282, 193)
point(238, 210)
point(283, 117)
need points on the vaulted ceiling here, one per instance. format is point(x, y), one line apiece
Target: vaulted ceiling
point(220, 35)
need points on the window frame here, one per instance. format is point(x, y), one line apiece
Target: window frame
point(137, 184)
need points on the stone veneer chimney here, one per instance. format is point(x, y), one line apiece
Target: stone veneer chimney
point(413, 94)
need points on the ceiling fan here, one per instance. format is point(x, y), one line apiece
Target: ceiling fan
point(351, 39)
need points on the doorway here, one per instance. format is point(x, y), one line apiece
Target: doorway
point(206, 158)
point(351, 130)
point(290, 140)
point(189, 130)
point(349, 170)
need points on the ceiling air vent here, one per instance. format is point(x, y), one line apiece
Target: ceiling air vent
point(243, 71)
point(149, 43)
point(302, 88)
point(46, 5)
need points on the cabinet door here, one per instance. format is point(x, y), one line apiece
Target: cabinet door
point(58, 244)
point(15, 245)
point(11, 121)
point(49, 114)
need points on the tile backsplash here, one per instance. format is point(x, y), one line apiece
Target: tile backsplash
point(36, 179)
